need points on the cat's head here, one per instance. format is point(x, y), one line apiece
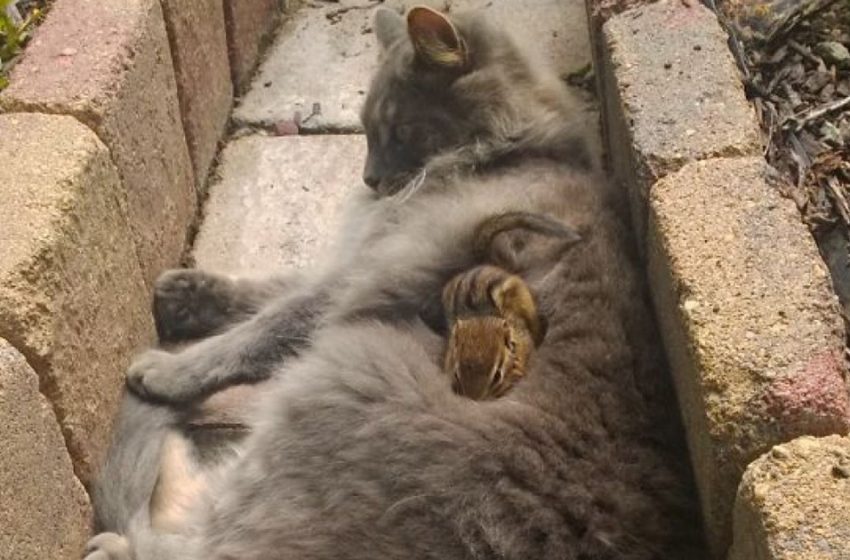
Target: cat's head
point(442, 84)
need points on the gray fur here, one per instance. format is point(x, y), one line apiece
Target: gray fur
point(361, 450)
point(138, 435)
point(190, 304)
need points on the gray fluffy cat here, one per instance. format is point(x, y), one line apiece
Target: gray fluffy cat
point(359, 448)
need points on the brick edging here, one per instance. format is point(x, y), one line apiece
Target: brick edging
point(111, 122)
point(751, 324)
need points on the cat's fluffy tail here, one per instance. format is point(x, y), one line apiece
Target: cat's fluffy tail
point(146, 488)
point(127, 480)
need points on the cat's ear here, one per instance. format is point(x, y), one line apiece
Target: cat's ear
point(389, 27)
point(435, 38)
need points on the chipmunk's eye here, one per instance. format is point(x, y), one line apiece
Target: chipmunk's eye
point(498, 374)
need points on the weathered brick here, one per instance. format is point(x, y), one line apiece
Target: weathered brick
point(199, 48)
point(672, 95)
point(792, 503)
point(108, 63)
point(751, 324)
point(44, 510)
point(249, 25)
point(72, 298)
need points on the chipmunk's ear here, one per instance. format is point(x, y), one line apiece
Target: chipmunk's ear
point(436, 40)
point(389, 27)
point(512, 297)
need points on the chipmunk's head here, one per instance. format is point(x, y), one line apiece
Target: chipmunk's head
point(487, 355)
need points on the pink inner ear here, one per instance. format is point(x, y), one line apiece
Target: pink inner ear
point(428, 25)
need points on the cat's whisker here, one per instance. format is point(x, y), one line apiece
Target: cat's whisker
point(412, 186)
point(400, 503)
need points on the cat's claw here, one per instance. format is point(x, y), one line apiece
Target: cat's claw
point(190, 303)
point(108, 546)
point(157, 375)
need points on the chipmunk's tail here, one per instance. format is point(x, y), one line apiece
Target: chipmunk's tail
point(487, 231)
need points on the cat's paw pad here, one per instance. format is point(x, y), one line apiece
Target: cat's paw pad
point(189, 303)
point(108, 546)
point(156, 375)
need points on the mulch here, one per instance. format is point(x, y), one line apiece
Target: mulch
point(796, 66)
point(602, 10)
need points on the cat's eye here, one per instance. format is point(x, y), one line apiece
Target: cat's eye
point(509, 342)
point(406, 133)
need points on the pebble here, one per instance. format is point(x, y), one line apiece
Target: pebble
point(779, 453)
point(286, 128)
point(833, 52)
point(840, 471)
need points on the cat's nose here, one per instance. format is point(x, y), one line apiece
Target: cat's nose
point(372, 170)
point(372, 180)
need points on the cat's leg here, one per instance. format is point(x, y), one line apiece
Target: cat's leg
point(144, 545)
point(247, 352)
point(191, 303)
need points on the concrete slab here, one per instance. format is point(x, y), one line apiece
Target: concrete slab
point(551, 30)
point(792, 503)
point(278, 202)
point(44, 510)
point(321, 63)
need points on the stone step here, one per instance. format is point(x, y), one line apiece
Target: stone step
point(324, 55)
point(277, 202)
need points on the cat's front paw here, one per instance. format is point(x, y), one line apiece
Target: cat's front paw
point(190, 303)
point(108, 546)
point(160, 376)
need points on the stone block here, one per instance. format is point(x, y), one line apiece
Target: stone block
point(108, 63)
point(199, 48)
point(671, 94)
point(792, 503)
point(72, 298)
point(44, 510)
point(249, 25)
point(278, 202)
point(751, 325)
